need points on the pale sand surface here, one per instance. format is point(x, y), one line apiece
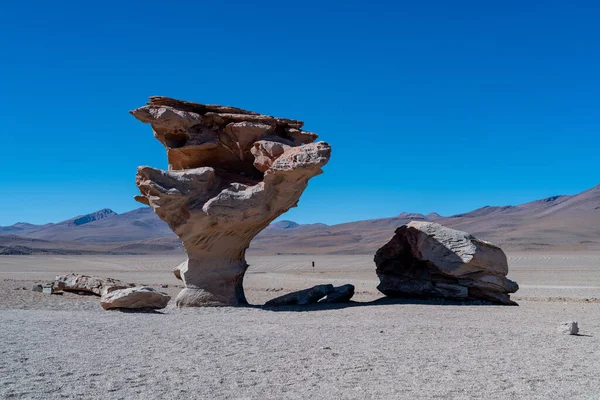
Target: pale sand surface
point(67, 347)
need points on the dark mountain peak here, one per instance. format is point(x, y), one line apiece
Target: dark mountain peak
point(22, 228)
point(23, 225)
point(95, 216)
point(552, 198)
point(139, 211)
point(433, 215)
point(413, 216)
point(284, 225)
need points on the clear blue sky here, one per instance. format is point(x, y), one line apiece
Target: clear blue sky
point(428, 105)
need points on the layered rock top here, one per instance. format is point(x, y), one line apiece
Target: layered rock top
point(228, 139)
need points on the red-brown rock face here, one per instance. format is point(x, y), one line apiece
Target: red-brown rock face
point(231, 172)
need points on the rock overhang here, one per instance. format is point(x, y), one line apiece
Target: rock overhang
point(226, 138)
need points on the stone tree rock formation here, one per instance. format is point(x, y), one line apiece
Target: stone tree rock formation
point(231, 173)
point(425, 259)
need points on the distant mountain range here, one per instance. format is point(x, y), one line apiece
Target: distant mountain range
point(558, 222)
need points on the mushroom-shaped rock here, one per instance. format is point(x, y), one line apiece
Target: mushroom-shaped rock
point(231, 173)
point(426, 259)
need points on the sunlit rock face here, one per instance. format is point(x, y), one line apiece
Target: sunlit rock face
point(231, 173)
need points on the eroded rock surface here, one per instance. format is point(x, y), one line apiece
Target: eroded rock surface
point(425, 259)
point(231, 172)
point(90, 284)
point(135, 298)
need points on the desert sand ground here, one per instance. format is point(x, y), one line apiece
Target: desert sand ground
point(66, 346)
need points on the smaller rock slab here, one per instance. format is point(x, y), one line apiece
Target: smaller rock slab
point(90, 284)
point(316, 294)
point(340, 294)
point(301, 297)
point(135, 298)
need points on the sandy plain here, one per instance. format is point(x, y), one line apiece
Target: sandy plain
point(66, 346)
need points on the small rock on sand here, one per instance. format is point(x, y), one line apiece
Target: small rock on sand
point(570, 328)
point(47, 289)
point(37, 288)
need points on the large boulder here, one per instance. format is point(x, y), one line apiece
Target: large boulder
point(135, 298)
point(231, 173)
point(89, 284)
point(425, 259)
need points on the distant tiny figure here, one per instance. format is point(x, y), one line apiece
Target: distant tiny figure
point(313, 264)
